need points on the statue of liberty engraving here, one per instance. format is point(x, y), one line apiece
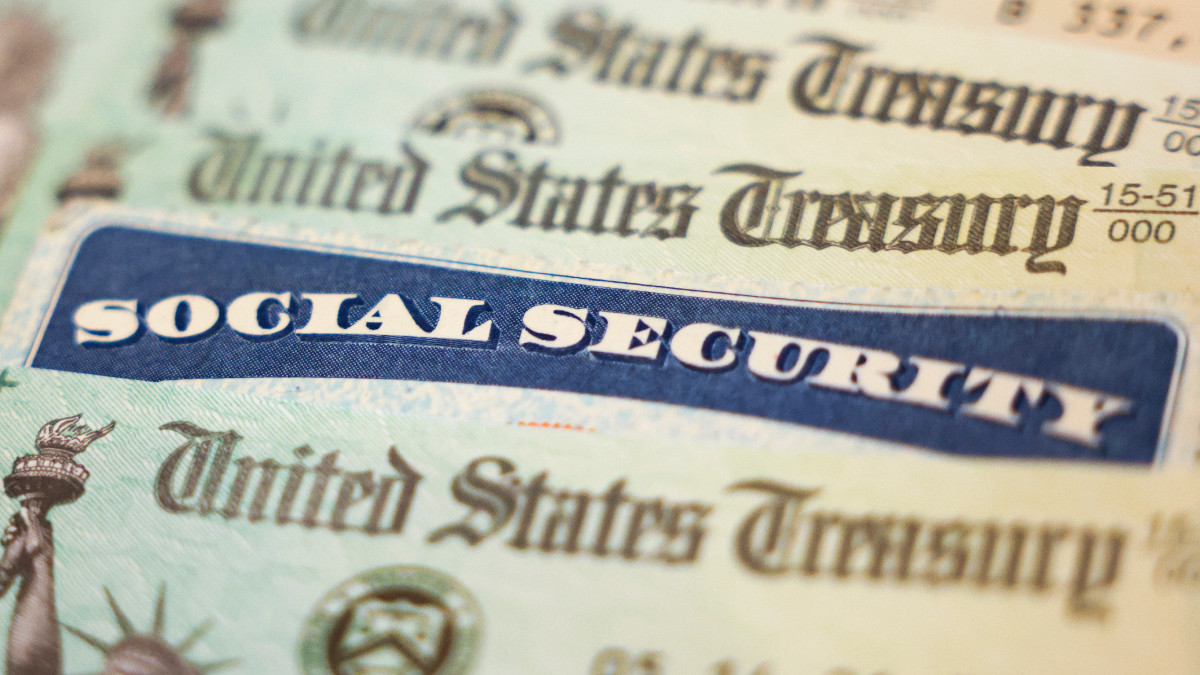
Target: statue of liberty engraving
point(28, 54)
point(171, 84)
point(53, 477)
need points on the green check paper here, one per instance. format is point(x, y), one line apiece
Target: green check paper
point(515, 337)
point(195, 531)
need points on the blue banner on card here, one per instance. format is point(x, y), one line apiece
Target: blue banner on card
point(149, 305)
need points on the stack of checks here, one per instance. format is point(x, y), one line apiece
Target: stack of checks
point(696, 337)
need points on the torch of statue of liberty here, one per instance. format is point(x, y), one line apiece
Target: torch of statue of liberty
point(53, 476)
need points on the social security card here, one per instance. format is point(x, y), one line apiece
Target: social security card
point(401, 327)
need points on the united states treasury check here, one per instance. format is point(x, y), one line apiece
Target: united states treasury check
point(324, 540)
point(273, 310)
point(823, 147)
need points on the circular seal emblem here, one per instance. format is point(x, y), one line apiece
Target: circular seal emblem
point(392, 621)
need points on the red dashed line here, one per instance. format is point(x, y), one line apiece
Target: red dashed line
point(554, 425)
